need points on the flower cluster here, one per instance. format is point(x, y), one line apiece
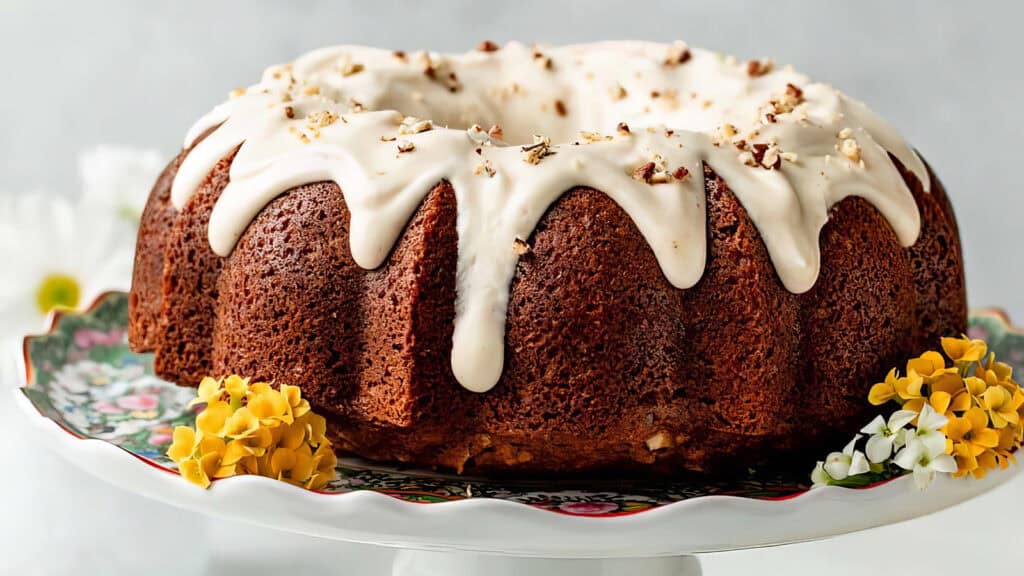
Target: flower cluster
point(253, 428)
point(959, 417)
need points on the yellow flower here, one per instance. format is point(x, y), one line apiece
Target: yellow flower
point(1002, 406)
point(1008, 443)
point(942, 403)
point(269, 405)
point(183, 444)
point(199, 471)
point(253, 429)
point(972, 430)
point(293, 435)
point(905, 389)
point(993, 373)
point(255, 444)
point(236, 386)
point(325, 463)
point(295, 466)
point(317, 429)
point(212, 445)
point(931, 366)
point(883, 391)
point(961, 391)
point(964, 350)
point(235, 453)
point(909, 389)
point(986, 461)
point(209, 390)
point(212, 419)
point(241, 424)
point(293, 395)
point(966, 459)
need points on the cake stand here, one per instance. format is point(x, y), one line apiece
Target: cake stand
point(90, 399)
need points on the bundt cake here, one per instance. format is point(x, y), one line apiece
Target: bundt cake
point(616, 257)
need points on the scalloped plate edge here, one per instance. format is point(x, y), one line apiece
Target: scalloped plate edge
point(701, 524)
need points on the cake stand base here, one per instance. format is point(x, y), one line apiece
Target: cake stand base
point(431, 563)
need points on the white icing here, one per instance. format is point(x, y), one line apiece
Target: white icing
point(501, 197)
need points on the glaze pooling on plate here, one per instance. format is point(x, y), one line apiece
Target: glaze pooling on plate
point(637, 121)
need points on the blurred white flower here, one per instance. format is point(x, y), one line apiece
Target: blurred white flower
point(119, 178)
point(56, 254)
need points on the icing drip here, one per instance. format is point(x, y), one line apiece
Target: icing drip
point(637, 121)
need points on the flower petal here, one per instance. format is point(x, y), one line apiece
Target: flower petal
point(960, 402)
point(241, 424)
point(933, 443)
point(930, 420)
point(234, 452)
point(192, 471)
point(211, 420)
point(940, 401)
point(837, 465)
point(909, 456)
point(858, 464)
point(848, 450)
point(211, 445)
point(183, 444)
point(943, 463)
point(986, 437)
point(901, 418)
point(294, 436)
point(958, 428)
point(304, 465)
point(317, 429)
point(875, 426)
point(236, 386)
point(879, 448)
point(923, 476)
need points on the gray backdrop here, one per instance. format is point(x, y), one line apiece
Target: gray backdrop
point(948, 74)
point(139, 72)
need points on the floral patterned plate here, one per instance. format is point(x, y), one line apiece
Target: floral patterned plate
point(83, 383)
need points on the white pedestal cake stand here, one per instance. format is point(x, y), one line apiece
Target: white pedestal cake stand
point(497, 537)
point(95, 403)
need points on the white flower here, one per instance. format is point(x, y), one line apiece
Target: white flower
point(886, 435)
point(819, 477)
point(119, 178)
point(924, 453)
point(928, 423)
point(56, 254)
point(924, 463)
point(849, 462)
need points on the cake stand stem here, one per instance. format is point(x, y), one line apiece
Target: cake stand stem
point(428, 563)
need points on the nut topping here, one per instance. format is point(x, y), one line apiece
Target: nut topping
point(757, 68)
point(488, 46)
point(540, 149)
point(413, 125)
point(678, 53)
point(519, 246)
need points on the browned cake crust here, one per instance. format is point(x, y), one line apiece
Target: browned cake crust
point(608, 366)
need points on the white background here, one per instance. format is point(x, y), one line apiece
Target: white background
point(948, 74)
